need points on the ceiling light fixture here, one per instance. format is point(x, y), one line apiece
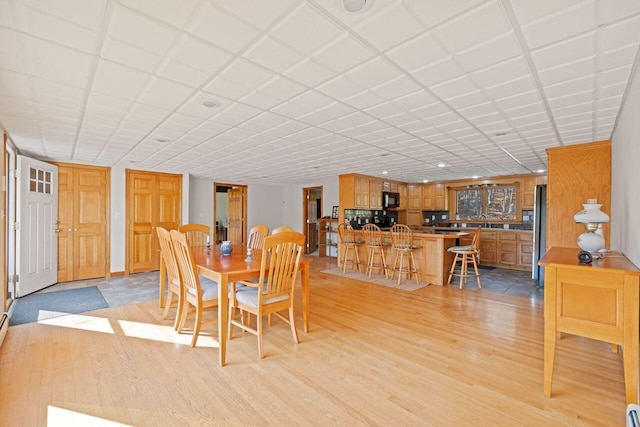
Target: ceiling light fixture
point(441, 165)
point(541, 171)
point(425, 180)
point(354, 6)
point(475, 177)
point(210, 104)
point(385, 172)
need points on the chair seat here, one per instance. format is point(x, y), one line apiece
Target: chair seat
point(249, 296)
point(209, 289)
point(461, 249)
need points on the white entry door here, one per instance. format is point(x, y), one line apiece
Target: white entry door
point(37, 241)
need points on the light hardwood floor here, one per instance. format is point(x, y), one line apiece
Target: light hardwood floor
point(438, 356)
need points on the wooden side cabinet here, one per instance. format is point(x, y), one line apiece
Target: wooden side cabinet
point(598, 301)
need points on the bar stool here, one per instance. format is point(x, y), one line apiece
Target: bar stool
point(349, 245)
point(375, 248)
point(466, 255)
point(402, 244)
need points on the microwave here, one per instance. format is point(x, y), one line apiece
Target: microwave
point(390, 200)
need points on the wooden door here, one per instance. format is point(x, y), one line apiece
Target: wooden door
point(90, 223)
point(311, 219)
point(153, 200)
point(65, 224)
point(236, 216)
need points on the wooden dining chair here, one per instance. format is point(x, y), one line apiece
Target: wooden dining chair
point(173, 274)
point(257, 235)
point(199, 294)
point(196, 233)
point(274, 292)
point(281, 229)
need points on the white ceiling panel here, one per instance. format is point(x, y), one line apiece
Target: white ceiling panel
point(179, 86)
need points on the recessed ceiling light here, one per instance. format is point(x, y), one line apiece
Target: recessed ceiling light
point(441, 165)
point(541, 170)
point(425, 180)
point(354, 6)
point(502, 133)
point(384, 172)
point(475, 177)
point(210, 103)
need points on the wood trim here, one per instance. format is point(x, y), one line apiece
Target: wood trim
point(245, 208)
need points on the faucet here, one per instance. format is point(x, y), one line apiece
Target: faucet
point(483, 217)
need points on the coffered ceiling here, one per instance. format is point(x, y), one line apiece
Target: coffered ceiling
point(299, 91)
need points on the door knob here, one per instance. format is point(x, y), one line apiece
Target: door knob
point(57, 230)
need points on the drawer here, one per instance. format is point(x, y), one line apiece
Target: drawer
point(525, 237)
point(487, 235)
point(505, 235)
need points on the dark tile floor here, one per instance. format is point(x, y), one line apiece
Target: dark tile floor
point(503, 281)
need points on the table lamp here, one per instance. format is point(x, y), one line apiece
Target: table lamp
point(592, 218)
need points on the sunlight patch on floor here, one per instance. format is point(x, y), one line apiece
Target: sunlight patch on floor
point(76, 321)
point(59, 417)
point(165, 334)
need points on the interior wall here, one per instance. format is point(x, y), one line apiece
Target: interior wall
point(266, 205)
point(293, 201)
point(222, 208)
point(200, 202)
point(625, 177)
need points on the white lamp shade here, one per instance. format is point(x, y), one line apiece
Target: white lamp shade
point(591, 213)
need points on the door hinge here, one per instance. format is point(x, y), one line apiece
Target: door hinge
point(13, 225)
point(13, 173)
point(14, 278)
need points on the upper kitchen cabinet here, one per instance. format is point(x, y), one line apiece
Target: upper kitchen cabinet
point(390, 186)
point(355, 192)
point(529, 190)
point(404, 196)
point(375, 194)
point(439, 197)
point(415, 197)
point(427, 197)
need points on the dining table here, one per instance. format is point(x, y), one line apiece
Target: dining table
point(226, 269)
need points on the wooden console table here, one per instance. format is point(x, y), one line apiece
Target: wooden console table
point(599, 301)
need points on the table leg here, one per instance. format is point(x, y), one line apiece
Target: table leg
point(630, 347)
point(223, 317)
point(304, 271)
point(162, 282)
point(550, 320)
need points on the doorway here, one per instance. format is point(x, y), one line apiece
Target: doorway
point(230, 212)
point(311, 211)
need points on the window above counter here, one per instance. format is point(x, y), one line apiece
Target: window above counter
point(487, 202)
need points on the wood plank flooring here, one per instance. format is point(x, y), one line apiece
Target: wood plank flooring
point(375, 355)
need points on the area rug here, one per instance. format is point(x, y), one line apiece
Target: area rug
point(47, 305)
point(378, 279)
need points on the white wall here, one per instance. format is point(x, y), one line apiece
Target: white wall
point(293, 201)
point(222, 208)
point(625, 177)
point(200, 202)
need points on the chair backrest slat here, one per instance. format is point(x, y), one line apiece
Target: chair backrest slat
point(256, 236)
point(401, 236)
point(186, 264)
point(196, 233)
point(168, 255)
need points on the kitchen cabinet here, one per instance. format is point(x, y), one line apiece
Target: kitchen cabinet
point(328, 238)
point(390, 186)
point(354, 192)
point(507, 248)
point(427, 197)
point(525, 250)
point(528, 192)
point(414, 218)
point(488, 247)
point(439, 197)
point(415, 196)
point(375, 195)
point(404, 196)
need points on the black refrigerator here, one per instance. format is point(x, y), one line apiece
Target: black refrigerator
point(539, 233)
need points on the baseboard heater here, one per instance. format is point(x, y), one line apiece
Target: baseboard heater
point(4, 325)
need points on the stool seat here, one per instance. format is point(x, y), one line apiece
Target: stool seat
point(469, 254)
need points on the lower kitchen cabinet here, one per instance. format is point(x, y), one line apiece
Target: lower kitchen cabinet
point(512, 249)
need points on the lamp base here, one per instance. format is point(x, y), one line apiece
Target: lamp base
point(591, 242)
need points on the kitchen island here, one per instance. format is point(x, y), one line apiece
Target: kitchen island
point(432, 259)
